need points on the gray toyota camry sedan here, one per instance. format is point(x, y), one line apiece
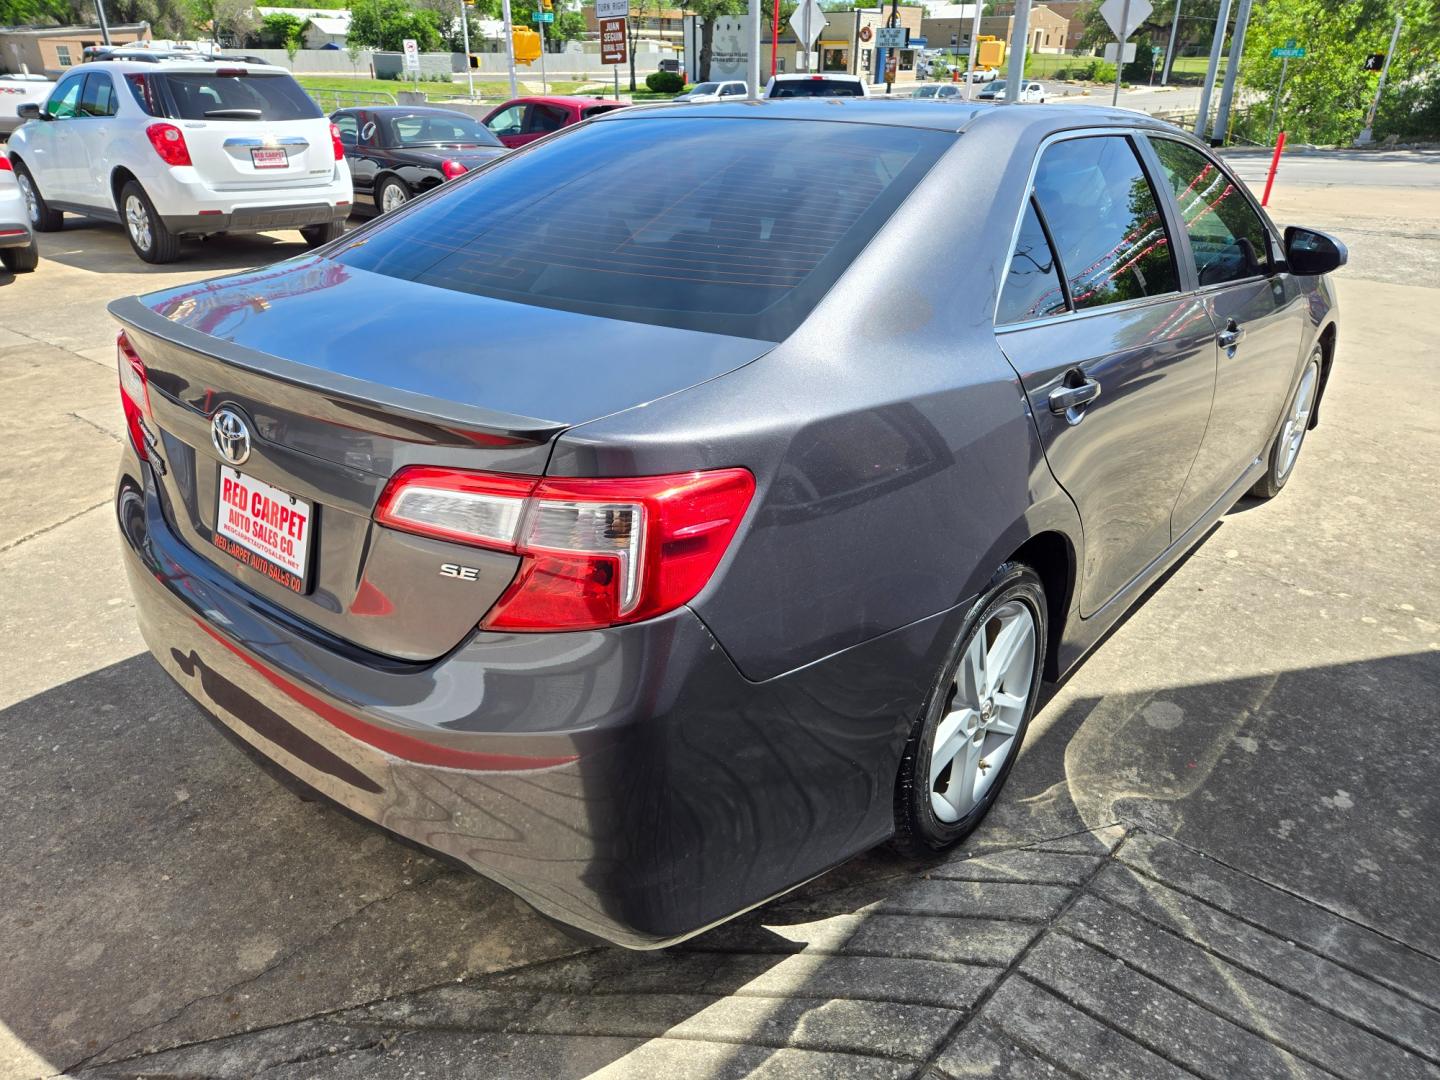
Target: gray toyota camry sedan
point(629, 521)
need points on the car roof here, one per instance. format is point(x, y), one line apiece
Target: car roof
point(559, 99)
point(183, 67)
point(402, 110)
point(815, 75)
point(947, 114)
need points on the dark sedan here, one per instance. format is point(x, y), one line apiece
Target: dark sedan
point(625, 521)
point(398, 152)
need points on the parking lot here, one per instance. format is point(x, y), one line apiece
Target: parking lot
point(1218, 854)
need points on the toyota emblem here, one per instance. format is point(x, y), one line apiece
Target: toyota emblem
point(230, 435)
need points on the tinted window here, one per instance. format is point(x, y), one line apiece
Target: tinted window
point(818, 88)
point(218, 96)
point(1032, 287)
point(1105, 222)
point(349, 127)
point(98, 97)
point(143, 90)
point(544, 119)
point(705, 88)
point(733, 90)
point(732, 226)
point(65, 101)
point(1227, 236)
point(927, 91)
point(426, 129)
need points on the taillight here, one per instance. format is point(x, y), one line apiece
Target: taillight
point(594, 552)
point(5, 164)
point(452, 169)
point(169, 143)
point(336, 143)
point(134, 395)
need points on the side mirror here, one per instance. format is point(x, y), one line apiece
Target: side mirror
point(1311, 252)
point(30, 110)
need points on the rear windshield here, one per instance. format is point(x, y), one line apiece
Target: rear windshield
point(429, 129)
point(734, 226)
point(220, 96)
point(818, 88)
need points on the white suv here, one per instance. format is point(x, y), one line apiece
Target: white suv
point(173, 147)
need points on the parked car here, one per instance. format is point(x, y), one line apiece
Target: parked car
point(173, 148)
point(398, 152)
point(18, 252)
point(526, 119)
point(1029, 91)
point(829, 85)
point(16, 90)
point(984, 74)
point(944, 91)
point(714, 91)
point(627, 523)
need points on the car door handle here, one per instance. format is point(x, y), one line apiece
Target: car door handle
point(1230, 337)
point(1064, 398)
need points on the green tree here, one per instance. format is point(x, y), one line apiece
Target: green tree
point(385, 24)
point(276, 30)
point(1328, 92)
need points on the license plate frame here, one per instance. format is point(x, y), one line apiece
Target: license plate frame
point(268, 157)
point(264, 527)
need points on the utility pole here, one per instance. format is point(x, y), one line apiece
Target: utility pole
point(465, 29)
point(1019, 31)
point(509, 45)
point(104, 23)
point(1232, 70)
point(1366, 135)
point(755, 50)
point(1170, 49)
point(1217, 44)
point(974, 45)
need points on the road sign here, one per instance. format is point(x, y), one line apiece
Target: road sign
point(1114, 10)
point(890, 37)
point(612, 41)
point(412, 54)
point(918, 42)
point(1373, 62)
point(542, 16)
point(808, 22)
point(612, 9)
point(1289, 52)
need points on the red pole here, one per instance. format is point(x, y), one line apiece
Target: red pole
point(1274, 164)
point(774, 36)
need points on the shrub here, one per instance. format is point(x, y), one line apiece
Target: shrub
point(665, 82)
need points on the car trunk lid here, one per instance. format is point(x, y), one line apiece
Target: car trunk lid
point(340, 378)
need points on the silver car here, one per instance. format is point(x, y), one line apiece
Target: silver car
point(714, 91)
point(18, 252)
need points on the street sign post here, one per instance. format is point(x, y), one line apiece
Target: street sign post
point(613, 44)
point(542, 16)
point(808, 22)
point(890, 37)
point(1365, 134)
point(1124, 18)
point(1289, 52)
point(412, 59)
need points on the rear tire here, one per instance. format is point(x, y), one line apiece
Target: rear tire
point(976, 718)
point(21, 260)
point(1285, 450)
point(152, 241)
point(315, 235)
point(391, 195)
point(42, 217)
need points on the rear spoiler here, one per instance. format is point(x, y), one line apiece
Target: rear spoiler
point(356, 397)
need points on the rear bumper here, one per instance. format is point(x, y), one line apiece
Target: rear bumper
point(628, 781)
point(15, 234)
point(257, 218)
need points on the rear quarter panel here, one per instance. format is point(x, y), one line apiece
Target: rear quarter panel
point(896, 463)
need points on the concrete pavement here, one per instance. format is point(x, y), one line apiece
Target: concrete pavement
point(1217, 855)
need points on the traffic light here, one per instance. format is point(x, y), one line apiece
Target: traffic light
point(527, 45)
point(547, 5)
point(1374, 62)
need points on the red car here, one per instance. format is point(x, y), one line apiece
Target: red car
point(525, 119)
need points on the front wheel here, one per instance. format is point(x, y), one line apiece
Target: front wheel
point(148, 235)
point(1286, 448)
point(962, 747)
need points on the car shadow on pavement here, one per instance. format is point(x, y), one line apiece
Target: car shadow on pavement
point(162, 892)
point(102, 248)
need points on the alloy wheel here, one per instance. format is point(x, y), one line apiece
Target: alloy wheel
point(137, 220)
point(1293, 434)
point(32, 202)
point(988, 699)
point(393, 198)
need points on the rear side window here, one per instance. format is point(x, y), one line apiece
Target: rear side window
point(544, 119)
point(145, 93)
point(1032, 285)
point(1105, 222)
point(734, 226)
point(220, 95)
point(1227, 237)
point(98, 98)
point(818, 88)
